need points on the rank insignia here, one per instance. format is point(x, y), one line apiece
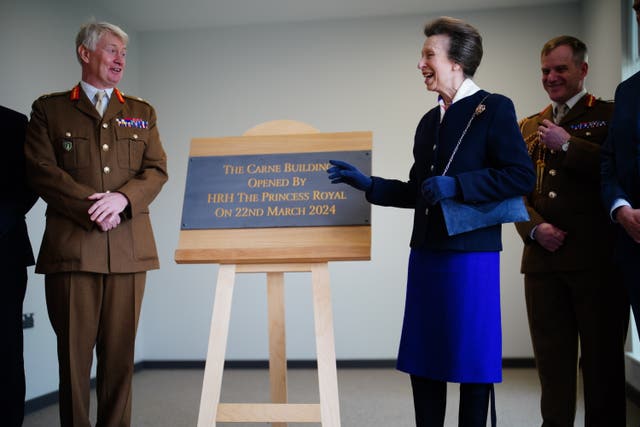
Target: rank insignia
point(588, 125)
point(132, 122)
point(67, 145)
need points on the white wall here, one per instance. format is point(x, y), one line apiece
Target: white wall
point(337, 76)
point(604, 75)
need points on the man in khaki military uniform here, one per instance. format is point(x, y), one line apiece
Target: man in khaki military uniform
point(98, 168)
point(573, 294)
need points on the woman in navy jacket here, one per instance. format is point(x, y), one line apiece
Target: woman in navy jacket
point(451, 330)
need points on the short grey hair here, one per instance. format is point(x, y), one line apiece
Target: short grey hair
point(465, 42)
point(91, 32)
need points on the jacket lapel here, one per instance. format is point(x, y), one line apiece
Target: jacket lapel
point(579, 109)
point(83, 103)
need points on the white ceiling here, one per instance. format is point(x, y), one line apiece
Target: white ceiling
point(150, 15)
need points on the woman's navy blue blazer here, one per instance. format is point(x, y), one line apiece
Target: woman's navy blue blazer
point(491, 164)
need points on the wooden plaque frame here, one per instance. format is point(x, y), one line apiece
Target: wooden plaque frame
point(283, 244)
point(275, 251)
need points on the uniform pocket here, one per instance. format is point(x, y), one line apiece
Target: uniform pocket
point(130, 145)
point(62, 239)
point(144, 245)
point(73, 152)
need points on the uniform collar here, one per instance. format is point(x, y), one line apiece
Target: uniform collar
point(572, 101)
point(90, 90)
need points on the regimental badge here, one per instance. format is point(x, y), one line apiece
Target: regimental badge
point(67, 145)
point(132, 122)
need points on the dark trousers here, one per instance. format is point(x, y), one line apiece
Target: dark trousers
point(430, 401)
point(12, 384)
point(90, 310)
point(589, 310)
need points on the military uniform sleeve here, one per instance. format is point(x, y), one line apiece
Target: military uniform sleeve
point(56, 187)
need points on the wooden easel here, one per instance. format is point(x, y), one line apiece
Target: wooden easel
point(258, 251)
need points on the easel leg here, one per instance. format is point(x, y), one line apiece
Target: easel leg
point(325, 346)
point(277, 340)
point(214, 365)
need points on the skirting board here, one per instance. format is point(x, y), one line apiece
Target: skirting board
point(45, 400)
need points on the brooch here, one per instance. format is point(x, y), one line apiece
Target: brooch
point(479, 109)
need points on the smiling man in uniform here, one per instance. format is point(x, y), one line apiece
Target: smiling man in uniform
point(94, 156)
point(573, 297)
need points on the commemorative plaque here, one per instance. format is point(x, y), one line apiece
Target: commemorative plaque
point(272, 190)
point(265, 197)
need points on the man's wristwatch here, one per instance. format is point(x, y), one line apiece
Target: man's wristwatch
point(565, 146)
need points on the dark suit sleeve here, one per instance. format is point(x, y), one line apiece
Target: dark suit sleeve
point(510, 172)
point(17, 197)
point(397, 193)
point(610, 185)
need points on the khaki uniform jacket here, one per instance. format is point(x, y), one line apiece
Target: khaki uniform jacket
point(71, 153)
point(567, 192)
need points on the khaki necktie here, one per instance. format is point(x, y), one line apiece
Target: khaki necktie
point(561, 111)
point(101, 101)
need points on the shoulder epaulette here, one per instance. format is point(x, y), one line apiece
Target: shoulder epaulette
point(592, 100)
point(540, 113)
point(545, 109)
point(52, 94)
point(135, 98)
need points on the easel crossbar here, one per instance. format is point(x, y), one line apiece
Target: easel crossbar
point(268, 412)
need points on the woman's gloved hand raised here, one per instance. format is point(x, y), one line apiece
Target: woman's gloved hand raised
point(349, 174)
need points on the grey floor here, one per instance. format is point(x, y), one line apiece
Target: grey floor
point(368, 397)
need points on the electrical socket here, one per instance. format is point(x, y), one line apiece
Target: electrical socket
point(27, 320)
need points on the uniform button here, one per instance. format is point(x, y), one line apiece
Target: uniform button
point(68, 134)
point(552, 172)
point(434, 147)
point(135, 136)
point(105, 125)
point(432, 168)
point(588, 133)
point(552, 194)
point(105, 147)
point(106, 169)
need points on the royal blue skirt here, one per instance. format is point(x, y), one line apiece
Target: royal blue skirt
point(451, 330)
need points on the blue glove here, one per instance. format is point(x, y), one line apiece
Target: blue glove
point(349, 174)
point(437, 188)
